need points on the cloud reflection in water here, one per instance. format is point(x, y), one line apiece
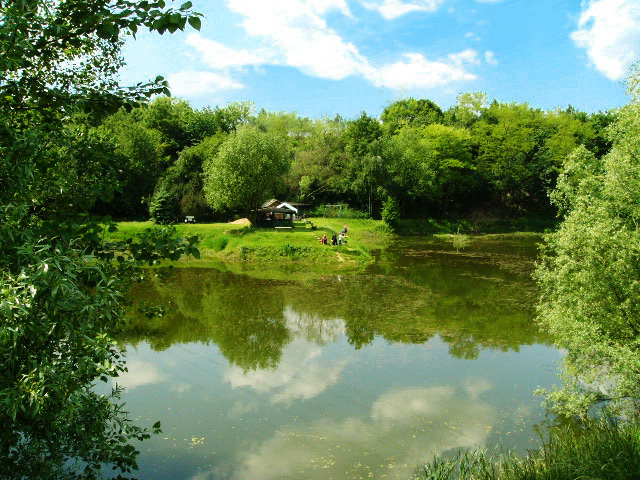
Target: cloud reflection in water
point(140, 373)
point(300, 374)
point(403, 427)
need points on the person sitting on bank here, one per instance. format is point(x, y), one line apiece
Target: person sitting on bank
point(323, 240)
point(334, 239)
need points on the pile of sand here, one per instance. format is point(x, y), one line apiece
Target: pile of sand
point(241, 221)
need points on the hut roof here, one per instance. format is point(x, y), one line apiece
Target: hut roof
point(277, 206)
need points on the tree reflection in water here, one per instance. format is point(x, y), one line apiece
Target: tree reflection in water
point(473, 300)
point(339, 375)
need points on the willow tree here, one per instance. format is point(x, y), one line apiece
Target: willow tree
point(590, 271)
point(246, 171)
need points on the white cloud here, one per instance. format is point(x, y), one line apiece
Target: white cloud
point(609, 30)
point(416, 71)
point(200, 83)
point(391, 9)
point(220, 57)
point(472, 36)
point(295, 33)
point(490, 58)
point(223, 60)
point(298, 35)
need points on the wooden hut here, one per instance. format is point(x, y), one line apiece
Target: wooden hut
point(276, 214)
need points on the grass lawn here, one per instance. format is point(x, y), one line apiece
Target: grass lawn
point(228, 242)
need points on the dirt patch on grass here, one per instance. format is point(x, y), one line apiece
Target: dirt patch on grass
point(241, 221)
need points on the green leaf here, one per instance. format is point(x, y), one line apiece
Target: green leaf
point(186, 6)
point(195, 23)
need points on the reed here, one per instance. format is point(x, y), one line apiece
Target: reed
point(601, 449)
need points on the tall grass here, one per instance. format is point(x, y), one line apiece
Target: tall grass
point(219, 243)
point(598, 449)
point(460, 241)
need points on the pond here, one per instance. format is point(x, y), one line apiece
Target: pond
point(429, 349)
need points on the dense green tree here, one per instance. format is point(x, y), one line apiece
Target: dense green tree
point(289, 125)
point(211, 121)
point(411, 112)
point(139, 152)
point(61, 286)
point(360, 134)
point(468, 109)
point(589, 272)
point(600, 144)
point(556, 137)
point(407, 176)
point(170, 117)
point(506, 137)
point(184, 180)
point(450, 158)
point(316, 173)
point(247, 169)
point(360, 175)
point(427, 169)
point(390, 212)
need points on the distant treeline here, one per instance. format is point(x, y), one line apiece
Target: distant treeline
point(416, 160)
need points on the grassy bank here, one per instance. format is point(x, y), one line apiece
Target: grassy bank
point(599, 449)
point(230, 242)
point(237, 246)
point(415, 226)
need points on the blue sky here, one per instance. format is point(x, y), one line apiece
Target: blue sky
point(326, 57)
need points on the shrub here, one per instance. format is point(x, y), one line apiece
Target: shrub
point(391, 213)
point(164, 208)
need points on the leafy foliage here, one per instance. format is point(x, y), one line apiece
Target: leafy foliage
point(247, 168)
point(411, 112)
point(494, 160)
point(164, 208)
point(391, 213)
point(589, 273)
point(138, 151)
point(62, 286)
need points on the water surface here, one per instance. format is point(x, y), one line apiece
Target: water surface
point(430, 349)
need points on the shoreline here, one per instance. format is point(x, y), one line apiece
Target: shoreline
point(224, 244)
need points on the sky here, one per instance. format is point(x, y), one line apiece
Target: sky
point(321, 58)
